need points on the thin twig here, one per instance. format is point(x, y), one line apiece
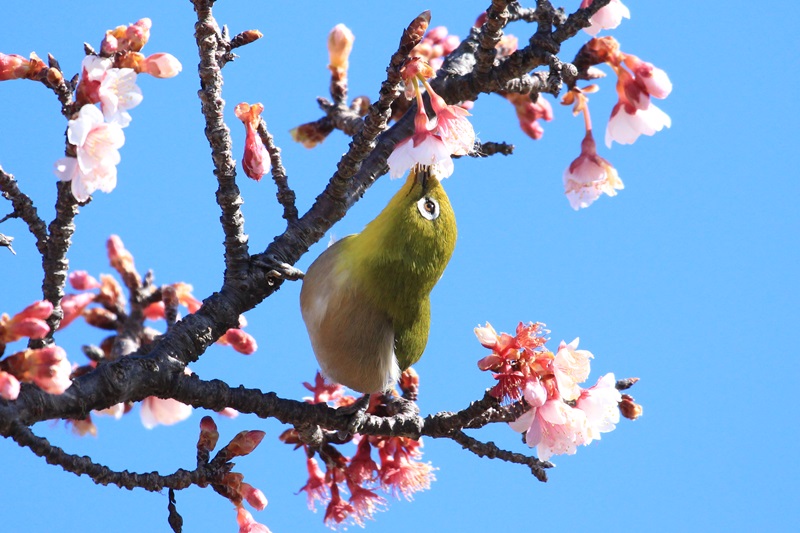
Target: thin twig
point(100, 474)
point(492, 451)
point(286, 196)
point(24, 209)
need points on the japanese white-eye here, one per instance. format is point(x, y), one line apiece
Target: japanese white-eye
point(366, 299)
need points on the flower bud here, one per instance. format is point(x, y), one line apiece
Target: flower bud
point(208, 434)
point(340, 44)
point(100, 317)
point(629, 408)
point(244, 443)
point(161, 65)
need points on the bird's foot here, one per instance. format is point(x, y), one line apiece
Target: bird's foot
point(397, 405)
point(357, 412)
point(278, 270)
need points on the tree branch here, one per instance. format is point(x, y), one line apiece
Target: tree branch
point(286, 196)
point(24, 209)
point(490, 450)
point(209, 42)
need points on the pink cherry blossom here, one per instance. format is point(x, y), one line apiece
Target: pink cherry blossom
point(628, 122)
point(426, 146)
point(651, 78)
point(114, 89)
point(161, 65)
point(364, 502)
point(248, 524)
point(608, 17)
point(570, 367)
point(589, 176)
point(167, 411)
point(338, 510)
point(452, 125)
point(555, 428)
point(487, 336)
point(9, 386)
point(601, 405)
point(97, 145)
point(116, 411)
point(315, 488)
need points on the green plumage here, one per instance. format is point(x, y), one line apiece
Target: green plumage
point(366, 300)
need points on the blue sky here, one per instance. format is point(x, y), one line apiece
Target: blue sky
point(687, 279)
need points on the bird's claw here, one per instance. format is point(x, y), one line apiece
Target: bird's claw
point(357, 412)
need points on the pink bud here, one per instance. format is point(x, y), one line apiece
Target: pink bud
point(82, 281)
point(253, 496)
point(208, 434)
point(256, 158)
point(161, 65)
point(9, 386)
point(240, 341)
point(138, 34)
point(248, 524)
point(73, 306)
point(51, 369)
point(245, 442)
point(13, 67)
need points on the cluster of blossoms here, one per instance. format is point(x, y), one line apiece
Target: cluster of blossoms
point(398, 470)
point(590, 175)
point(561, 415)
point(433, 141)
point(47, 367)
point(109, 79)
point(435, 46)
point(103, 304)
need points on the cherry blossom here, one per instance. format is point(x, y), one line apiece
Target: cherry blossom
point(589, 176)
point(608, 17)
point(97, 146)
point(167, 411)
point(651, 78)
point(553, 427)
point(248, 524)
point(601, 405)
point(570, 367)
point(315, 488)
point(451, 124)
point(422, 148)
point(628, 122)
point(114, 89)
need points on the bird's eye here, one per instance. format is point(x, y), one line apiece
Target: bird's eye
point(428, 208)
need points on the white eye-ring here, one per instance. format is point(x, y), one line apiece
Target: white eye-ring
point(428, 208)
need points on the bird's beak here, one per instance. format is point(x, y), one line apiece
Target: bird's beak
point(423, 175)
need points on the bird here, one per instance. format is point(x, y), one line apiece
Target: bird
point(366, 299)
